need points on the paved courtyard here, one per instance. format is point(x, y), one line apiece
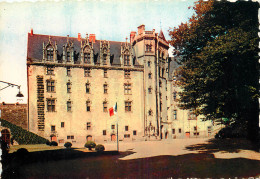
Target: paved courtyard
point(179, 158)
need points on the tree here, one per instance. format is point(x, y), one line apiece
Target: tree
point(218, 50)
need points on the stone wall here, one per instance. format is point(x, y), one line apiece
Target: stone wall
point(15, 113)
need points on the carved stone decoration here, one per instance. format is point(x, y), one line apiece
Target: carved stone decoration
point(87, 52)
point(105, 53)
point(68, 52)
point(50, 51)
point(126, 55)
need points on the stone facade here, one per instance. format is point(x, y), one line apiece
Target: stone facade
point(72, 83)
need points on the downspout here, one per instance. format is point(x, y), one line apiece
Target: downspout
point(156, 90)
point(28, 97)
point(144, 92)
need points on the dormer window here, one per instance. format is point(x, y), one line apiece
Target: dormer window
point(68, 56)
point(104, 59)
point(87, 58)
point(126, 60)
point(50, 54)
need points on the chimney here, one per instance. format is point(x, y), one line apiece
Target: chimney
point(79, 36)
point(31, 33)
point(92, 38)
point(132, 36)
point(141, 29)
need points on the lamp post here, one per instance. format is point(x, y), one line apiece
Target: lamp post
point(19, 95)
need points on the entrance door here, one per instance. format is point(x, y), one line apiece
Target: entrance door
point(54, 138)
point(187, 134)
point(113, 137)
point(89, 138)
point(166, 135)
point(6, 136)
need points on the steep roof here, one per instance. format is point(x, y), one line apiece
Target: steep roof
point(35, 47)
point(161, 35)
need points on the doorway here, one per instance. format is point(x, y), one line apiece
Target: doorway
point(6, 136)
point(113, 137)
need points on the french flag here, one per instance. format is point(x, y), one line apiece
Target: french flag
point(113, 110)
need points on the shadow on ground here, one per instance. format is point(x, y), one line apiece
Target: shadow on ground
point(224, 145)
point(108, 165)
point(12, 162)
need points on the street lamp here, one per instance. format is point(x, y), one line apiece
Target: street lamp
point(20, 95)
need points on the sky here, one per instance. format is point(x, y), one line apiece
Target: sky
point(108, 19)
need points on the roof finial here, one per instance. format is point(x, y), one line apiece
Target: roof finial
point(68, 38)
point(126, 39)
point(49, 38)
point(86, 36)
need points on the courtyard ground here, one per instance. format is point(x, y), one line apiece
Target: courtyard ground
point(180, 158)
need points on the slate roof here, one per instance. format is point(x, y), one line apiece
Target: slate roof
point(35, 47)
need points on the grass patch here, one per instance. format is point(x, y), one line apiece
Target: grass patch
point(34, 147)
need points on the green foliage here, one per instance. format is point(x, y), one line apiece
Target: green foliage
point(53, 143)
point(23, 136)
point(219, 62)
point(100, 148)
point(90, 145)
point(68, 145)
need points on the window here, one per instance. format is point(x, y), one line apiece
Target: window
point(50, 86)
point(68, 71)
point(104, 106)
point(104, 132)
point(87, 58)
point(68, 56)
point(127, 73)
point(105, 73)
point(105, 88)
point(50, 70)
point(62, 124)
point(127, 87)
point(192, 115)
point(52, 128)
point(50, 54)
point(179, 130)
point(88, 106)
point(173, 131)
point(160, 83)
point(148, 48)
point(126, 128)
point(150, 90)
point(127, 136)
point(87, 72)
point(87, 88)
point(104, 59)
point(174, 95)
point(51, 105)
point(88, 125)
point(128, 106)
point(69, 106)
point(126, 60)
point(150, 112)
point(134, 132)
point(70, 137)
point(175, 114)
point(69, 87)
point(161, 106)
point(149, 64)
point(160, 95)
point(195, 128)
point(112, 126)
point(163, 72)
point(150, 75)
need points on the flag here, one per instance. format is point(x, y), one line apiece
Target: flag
point(113, 110)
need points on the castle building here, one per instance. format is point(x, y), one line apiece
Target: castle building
point(72, 83)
